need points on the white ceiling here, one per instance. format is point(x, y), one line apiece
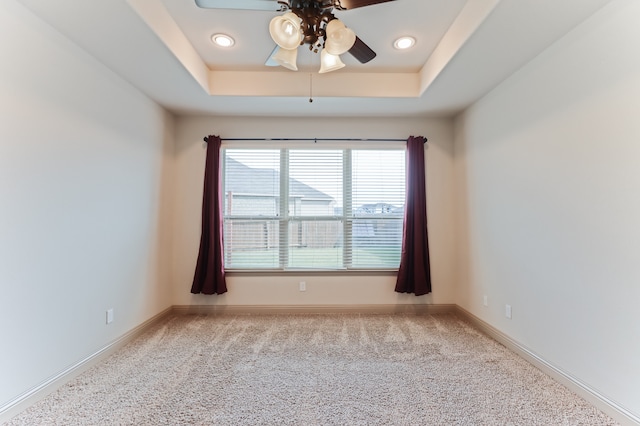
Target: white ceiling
point(464, 49)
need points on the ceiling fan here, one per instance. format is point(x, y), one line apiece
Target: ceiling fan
point(306, 22)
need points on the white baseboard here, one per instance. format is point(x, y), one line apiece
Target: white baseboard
point(606, 405)
point(35, 394)
point(418, 309)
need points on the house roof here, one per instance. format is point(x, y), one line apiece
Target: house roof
point(265, 182)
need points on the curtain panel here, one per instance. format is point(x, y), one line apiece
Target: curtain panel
point(414, 275)
point(209, 277)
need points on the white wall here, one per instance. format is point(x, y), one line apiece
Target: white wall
point(548, 202)
point(333, 289)
point(84, 204)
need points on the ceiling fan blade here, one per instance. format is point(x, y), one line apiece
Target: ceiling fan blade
point(354, 4)
point(361, 51)
point(268, 5)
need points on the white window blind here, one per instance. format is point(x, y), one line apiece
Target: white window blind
point(313, 209)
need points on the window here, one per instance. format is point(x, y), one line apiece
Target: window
point(313, 209)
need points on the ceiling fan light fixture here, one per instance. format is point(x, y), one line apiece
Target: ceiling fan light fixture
point(285, 30)
point(329, 62)
point(339, 38)
point(403, 43)
point(286, 58)
point(271, 62)
point(223, 40)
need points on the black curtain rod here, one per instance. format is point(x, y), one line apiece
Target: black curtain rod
point(313, 139)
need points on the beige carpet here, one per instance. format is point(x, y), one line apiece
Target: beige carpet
point(313, 370)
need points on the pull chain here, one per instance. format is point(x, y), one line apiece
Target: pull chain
point(310, 87)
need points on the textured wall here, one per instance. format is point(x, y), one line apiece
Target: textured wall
point(85, 197)
point(548, 206)
point(333, 289)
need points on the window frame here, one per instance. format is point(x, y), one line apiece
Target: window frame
point(284, 218)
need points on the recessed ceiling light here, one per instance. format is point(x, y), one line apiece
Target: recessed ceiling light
point(223, 40)
point(404, 43)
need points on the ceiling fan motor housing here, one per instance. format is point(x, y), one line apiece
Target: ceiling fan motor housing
point(315, 16)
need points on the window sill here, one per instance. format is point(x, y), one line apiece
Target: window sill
point(310, 272)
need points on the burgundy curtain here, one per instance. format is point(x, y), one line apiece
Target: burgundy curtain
point(414, 275)
point(209, 275)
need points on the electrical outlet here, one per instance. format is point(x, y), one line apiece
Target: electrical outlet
point(485, 300)
point(303, 286)
point(109, 316)
point(507, 311)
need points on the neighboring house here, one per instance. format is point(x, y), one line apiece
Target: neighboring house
point(378, 228)
point(379, 208)
point(254, 193)
point(257, 191)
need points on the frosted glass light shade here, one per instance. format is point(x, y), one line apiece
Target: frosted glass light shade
point(270, 62)
point(339, 38)
point(329, 62)
point(286, 58)
point(285, 30)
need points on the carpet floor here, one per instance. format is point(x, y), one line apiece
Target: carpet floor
point(344, 369)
